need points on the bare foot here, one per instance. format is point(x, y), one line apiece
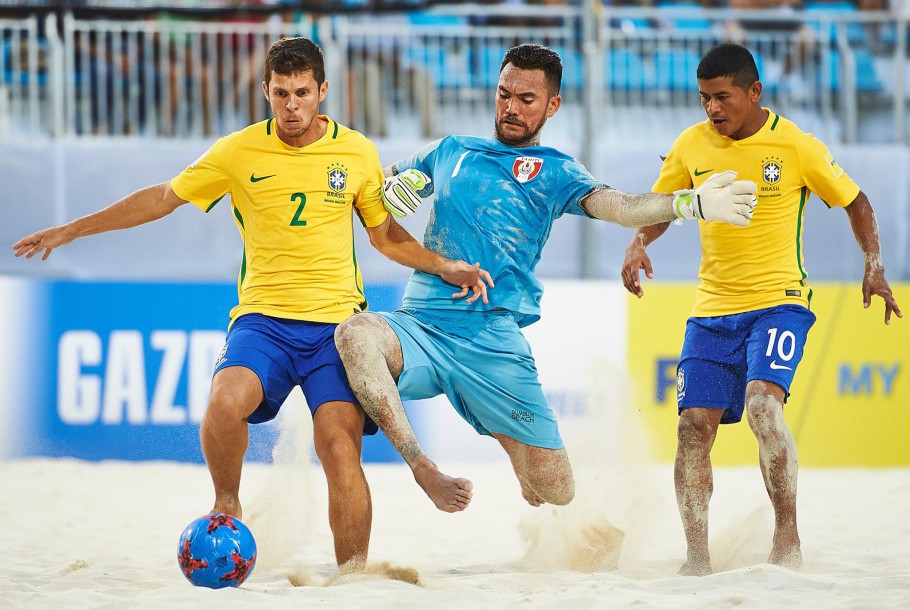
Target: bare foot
point(448, 494)
point(228, 507)
point(695, 568)
point(698, 562)
point(788, 557)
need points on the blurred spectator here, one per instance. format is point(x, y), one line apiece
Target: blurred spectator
point(875, 29)
point(520, 17)
point(790, 22)
point(190, 66)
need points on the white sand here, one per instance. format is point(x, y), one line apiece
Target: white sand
point(104, 535)
point(78, 535)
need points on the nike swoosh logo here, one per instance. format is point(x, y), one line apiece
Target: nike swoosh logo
point(253, 177)
point(776, 366)
point(698, 173)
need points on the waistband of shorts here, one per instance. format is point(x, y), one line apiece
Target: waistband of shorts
point(460, 316)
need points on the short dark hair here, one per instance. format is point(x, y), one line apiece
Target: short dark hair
point(536, 57)
point(729, 59)
point(291, 55)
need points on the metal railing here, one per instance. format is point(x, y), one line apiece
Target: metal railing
point(397, 75)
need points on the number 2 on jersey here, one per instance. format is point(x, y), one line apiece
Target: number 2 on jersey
point(297, 221)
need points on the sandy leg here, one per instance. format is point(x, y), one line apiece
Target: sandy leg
point(788, 556)
point(337, 436)
point(545, 475)
point(224, 435)
point(694, 480)
point(779, 467)
point(528, 494)
point(373, 360)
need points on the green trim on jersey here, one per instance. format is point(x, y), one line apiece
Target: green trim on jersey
point(268, 127)
point(242, 277)
point(213, 204)
point(335, 132)
point(242, 270)
point(774, 124)
point(363, 304)
point(803, 196)
point(238, 216)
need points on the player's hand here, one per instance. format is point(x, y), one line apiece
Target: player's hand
point(471, 278)
point(402, 193)
point(636, 259)
point(46, 240)
point(720, 197)
point(874, 282)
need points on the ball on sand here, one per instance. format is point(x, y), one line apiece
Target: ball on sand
point(215, 551)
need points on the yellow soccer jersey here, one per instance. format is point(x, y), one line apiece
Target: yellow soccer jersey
point(748, 268)
point(293, 207)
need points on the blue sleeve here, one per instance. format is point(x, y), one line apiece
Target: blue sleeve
point(577, 184)
point(423, 160)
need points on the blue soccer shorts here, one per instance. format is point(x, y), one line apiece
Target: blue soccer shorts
point(284, 354)
point(482, 362)
point(721, 354)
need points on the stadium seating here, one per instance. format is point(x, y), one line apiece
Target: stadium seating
point(856, 34)
point(676, 69)
point(867, 80)
point(694, 22)
point(625, 70)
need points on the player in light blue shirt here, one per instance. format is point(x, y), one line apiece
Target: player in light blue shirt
point(498, 206)
point(495, 202)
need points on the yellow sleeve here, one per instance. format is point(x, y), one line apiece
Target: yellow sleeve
point(368, 199)
point(673, 173)
point(205, 182)
point(824, 176)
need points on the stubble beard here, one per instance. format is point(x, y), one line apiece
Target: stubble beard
point(531, 138)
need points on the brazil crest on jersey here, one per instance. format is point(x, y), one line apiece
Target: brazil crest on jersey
point(748, 268)
point(293, 207)
point(495, 205)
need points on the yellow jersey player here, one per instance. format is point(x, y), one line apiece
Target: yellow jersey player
point(294, 182)
point(751, 317)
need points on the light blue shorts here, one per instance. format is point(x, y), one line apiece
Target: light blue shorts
point(482, 362)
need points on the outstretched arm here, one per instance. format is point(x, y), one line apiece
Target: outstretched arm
point(720, 197)
point(392, 240)
point(637, 259)
point(137, 208)
point(629, 210)
point(865, 229)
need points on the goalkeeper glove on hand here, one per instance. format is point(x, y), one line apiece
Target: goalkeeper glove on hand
point(720, 197)
point(402, 192)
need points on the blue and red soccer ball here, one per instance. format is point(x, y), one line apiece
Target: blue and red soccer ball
point(215, 551)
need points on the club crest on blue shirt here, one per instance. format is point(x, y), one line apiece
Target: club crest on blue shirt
point(338, 177)
point(526, 168)
point(771, 169)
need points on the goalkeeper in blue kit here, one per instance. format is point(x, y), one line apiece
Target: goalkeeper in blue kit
point(496, 200)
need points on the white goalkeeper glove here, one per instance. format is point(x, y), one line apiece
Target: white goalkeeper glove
point(402, 193)
point(720, 197)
